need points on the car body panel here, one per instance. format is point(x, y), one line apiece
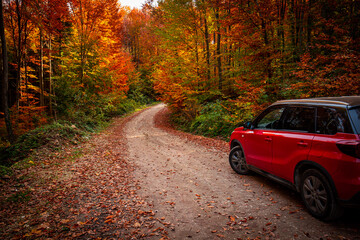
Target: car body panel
point(289, 148)
point(258, 148)
point(343, 169)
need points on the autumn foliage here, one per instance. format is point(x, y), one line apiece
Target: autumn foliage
point(244, 55)
point(64, 56)
point(194, 55)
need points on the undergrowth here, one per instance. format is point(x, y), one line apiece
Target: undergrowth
point(77, 125)
point(49, 135)
point(215, 119)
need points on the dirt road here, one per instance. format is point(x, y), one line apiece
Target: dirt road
point(195, 193)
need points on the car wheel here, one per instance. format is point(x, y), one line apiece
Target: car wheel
point(237, 161)
point(318, 196)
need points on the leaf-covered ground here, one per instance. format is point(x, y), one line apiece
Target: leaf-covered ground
point(192, 188)
point(85, 191)
point(141, 179)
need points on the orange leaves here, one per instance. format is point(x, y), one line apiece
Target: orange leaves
point(95, 55)
point(328, 74)
point(110, 219)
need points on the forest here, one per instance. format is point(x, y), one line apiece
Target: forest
point(216, 63)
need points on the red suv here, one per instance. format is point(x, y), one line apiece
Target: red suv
point(311, 145)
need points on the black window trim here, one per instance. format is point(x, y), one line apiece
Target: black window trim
point(286, 107)
point(304, 105)
point(352, 123)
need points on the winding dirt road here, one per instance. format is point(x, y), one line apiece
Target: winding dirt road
point(194, 192)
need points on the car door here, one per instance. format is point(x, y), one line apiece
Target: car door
point(292, 143)
point(258, 144)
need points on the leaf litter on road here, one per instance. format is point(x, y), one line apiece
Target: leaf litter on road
point(92, 196)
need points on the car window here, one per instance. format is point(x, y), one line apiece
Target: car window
point(271, 119)
point(299, 119)
point(355, 117)
point(332, 120)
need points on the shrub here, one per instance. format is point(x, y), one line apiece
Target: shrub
point(214, 120)
point(48, 134)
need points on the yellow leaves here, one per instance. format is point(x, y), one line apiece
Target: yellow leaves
point(30, 86)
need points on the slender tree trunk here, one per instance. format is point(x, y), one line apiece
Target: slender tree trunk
point(27, 89)
point(197, 54)
point(50, 76)
point(82, 43)
point(19, 55)
point(26, 76)
point(293, 28)
point(41, 73)
point(207, 45)
point(54, 83)
point(309, 21)
point(218, 50)
point(5, 78)
point(281, 35)
point(301, 27)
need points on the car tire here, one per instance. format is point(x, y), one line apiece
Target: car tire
point(318, 196)
point(237, 161)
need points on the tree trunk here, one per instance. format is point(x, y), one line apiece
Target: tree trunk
point(19, 56)
point(293, 27)
point(41, 72)
point(309, 21)
point(218, 50)
point(50, 77)
point(5, 77)
point(207, 45)
point(82, 44)
point(26, 77)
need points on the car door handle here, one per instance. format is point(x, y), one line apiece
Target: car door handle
point(302, 144)
point(268, 139)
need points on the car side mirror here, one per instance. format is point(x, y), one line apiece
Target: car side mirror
point(248, 125)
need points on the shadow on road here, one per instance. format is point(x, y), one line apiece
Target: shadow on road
point(350, 219)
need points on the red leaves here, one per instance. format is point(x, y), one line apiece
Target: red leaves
point(92, 195)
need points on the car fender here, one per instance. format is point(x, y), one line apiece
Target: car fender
point(302, 166)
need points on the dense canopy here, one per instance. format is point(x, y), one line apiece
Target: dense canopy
point(202, 57)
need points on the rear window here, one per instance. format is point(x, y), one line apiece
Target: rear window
point(332, 120)
point(355, 117)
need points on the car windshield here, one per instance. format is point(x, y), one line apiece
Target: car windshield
point(355, 117)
